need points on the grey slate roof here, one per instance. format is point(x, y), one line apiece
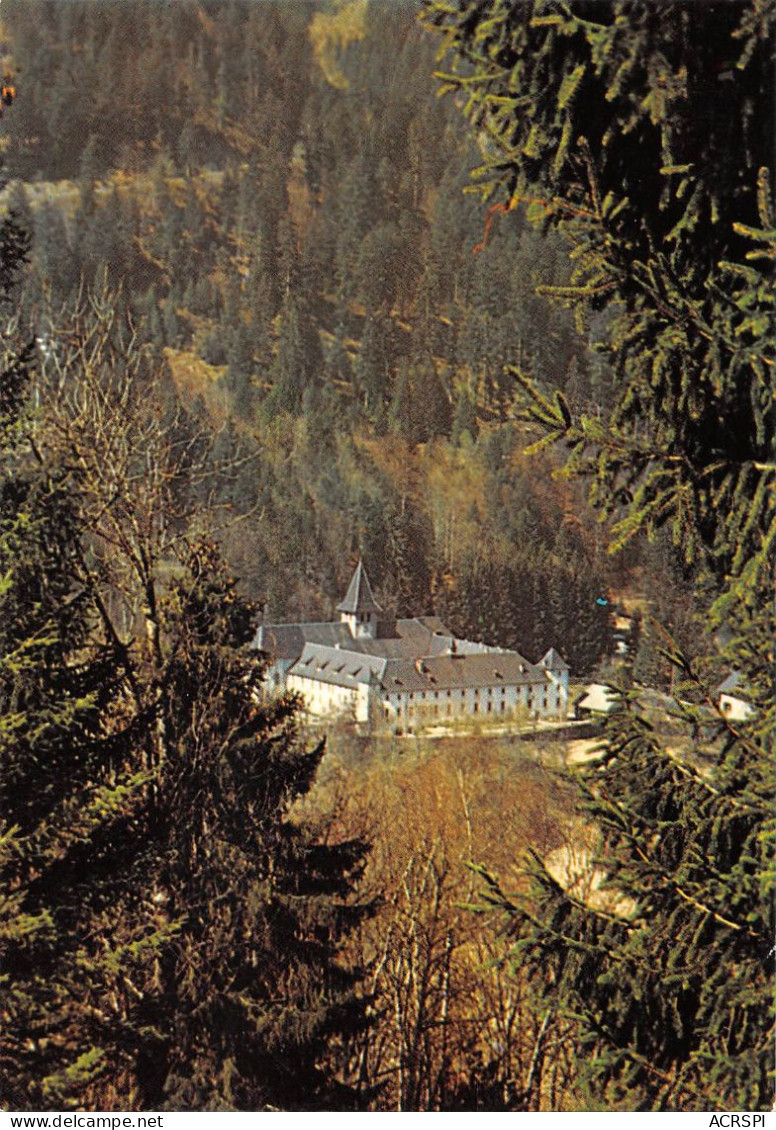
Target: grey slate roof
point(336, 665)
point(411, 637)
point(418, 653)
point(415, 626)
point(360, 597)
point(461, 671)
point(554, 661)
point(349, 668)
point(286, 641)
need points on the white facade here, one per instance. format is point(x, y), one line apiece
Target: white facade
point(324, 699)
point(736, 709)
point(730, 702)
point(418, 708)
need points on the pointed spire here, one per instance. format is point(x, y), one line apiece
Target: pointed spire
point(360, 598)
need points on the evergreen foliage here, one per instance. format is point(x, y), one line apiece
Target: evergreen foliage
point(592, 123)
point(590, 116)
point(279, 199)
point(72, 785)
point(253, 990)
point(665, 962)
point(171, 935)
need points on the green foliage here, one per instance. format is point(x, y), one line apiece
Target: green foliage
point(171, 935)
point(71, 787)
point(252, 991)
point(589, 119)
point(659, 950)
point(168, 926)
point(588, 116)
point(529, 602)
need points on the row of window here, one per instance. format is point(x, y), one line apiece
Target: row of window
point(435, 695)
point(490, 708)
point(533, 700)
point(462, 691)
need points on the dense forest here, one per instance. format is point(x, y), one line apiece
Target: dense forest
point(255, 329)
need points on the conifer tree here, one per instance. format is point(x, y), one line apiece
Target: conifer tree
point(465, 419)
point(589, 118)
point(170, 933)
point(254, 988)
point(239, 991)
point(298, 364)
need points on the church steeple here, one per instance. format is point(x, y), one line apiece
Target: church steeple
point(359, 609)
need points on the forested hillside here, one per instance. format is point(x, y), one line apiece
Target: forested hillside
point(254, 329)
point(277, 197)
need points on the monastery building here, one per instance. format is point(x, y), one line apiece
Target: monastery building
point(406, 673)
